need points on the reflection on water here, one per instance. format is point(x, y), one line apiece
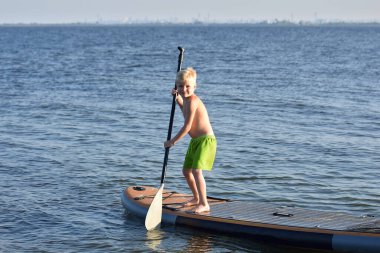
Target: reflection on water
point(154, 238)
point(199, 243)
point(189, 239)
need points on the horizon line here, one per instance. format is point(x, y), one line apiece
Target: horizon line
point(199, 22)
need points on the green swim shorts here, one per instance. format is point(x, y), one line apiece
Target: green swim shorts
point(201, 153)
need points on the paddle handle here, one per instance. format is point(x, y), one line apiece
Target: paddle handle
point(179, 66)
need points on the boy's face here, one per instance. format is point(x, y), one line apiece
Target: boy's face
point(186, 89)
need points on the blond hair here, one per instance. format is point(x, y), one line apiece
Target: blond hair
point(188, 75)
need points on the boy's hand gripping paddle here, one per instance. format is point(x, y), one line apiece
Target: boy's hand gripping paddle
point(154, 215)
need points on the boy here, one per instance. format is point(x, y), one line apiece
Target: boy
point(202, 148)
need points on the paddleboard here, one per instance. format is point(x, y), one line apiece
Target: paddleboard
point(299, 227)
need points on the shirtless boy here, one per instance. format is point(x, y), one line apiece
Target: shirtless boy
point(202, 148)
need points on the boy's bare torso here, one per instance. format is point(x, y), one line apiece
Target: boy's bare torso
point(200, 123)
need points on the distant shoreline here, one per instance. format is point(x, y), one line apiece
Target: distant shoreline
point(199, 23)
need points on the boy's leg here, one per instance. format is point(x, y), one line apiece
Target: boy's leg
point(203, 205)
point(192, 185)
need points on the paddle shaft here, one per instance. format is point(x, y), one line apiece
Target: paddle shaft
point(180, 60)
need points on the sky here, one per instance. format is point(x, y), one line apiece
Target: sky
point(71, 11)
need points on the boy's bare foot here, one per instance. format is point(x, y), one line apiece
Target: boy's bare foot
point(192, 202)
point(202, 209)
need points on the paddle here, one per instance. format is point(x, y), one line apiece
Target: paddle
point(154, 215)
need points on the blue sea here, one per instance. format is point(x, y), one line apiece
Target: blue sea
point(85, 110)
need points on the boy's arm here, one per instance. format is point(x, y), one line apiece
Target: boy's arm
point(178, 98)
point(179, 102)
point(189, 114)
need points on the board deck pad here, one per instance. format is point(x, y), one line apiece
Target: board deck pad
point(262, 212)
point(290, 216)
point(263, 221)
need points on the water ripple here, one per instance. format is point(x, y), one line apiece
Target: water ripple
point(85, 112)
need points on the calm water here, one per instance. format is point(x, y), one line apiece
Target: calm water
point(84, 113)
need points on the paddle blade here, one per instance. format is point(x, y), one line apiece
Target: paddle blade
point(154, 215)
